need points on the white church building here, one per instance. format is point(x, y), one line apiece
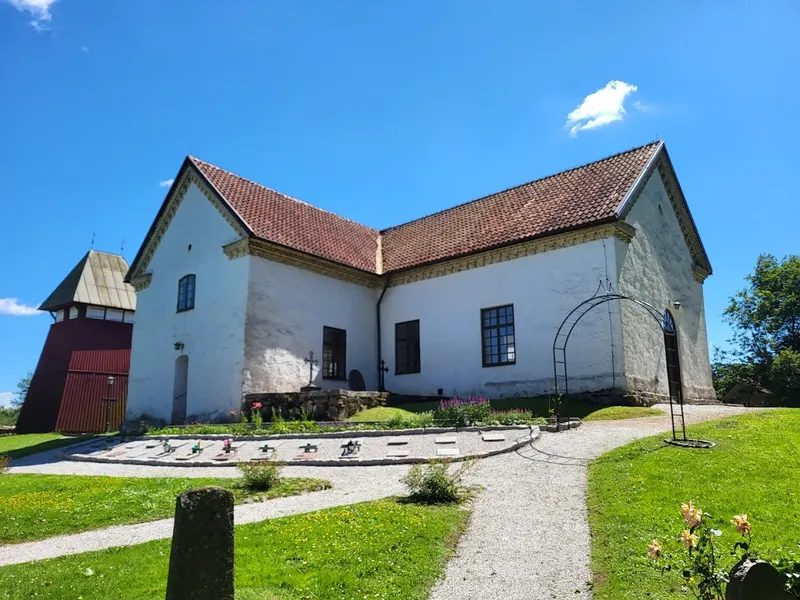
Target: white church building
point(237, 283)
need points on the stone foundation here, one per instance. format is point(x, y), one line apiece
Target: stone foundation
point(322, 405)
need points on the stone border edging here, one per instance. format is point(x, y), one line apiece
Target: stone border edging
point(334, 434)
point(371, 462)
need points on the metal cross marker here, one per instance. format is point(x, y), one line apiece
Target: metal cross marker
point(311, 361)
point(382, 369)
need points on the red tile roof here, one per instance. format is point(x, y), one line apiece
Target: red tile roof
point(576, 198)
point(278, 218)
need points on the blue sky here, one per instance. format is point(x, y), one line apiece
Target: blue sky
point(381, 112)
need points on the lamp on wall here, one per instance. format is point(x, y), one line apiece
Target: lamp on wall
point(178, 345)
point(677, 305)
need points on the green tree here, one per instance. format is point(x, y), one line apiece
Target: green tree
point(22, 390)
point(765, 317)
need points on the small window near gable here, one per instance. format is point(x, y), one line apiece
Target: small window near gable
point(186, 293)
point(59, 316)
point(73, 312)
point(112, 314)
point(406, 347)
point(334, 353)
point(497, 329)
point(95, 312)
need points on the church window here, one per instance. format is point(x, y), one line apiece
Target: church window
point(406, 347)
point(334, 352)
point(186, 293)
point(73, 312)
point(497, 329)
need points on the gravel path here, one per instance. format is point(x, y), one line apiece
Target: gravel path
point(350, 486)
point(529, 535)
point(528, 538)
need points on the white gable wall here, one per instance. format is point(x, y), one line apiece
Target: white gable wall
point(543, 289)
point(287, 308)
point(657, 267)
point(212, 333)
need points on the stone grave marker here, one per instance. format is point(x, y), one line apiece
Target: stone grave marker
point(447, 452)
point(133, 445)
point(397, 452)
point(351, 450)
point(445, 439)
point(309, 451)
point(356, 381)
point(201, 559)
point(494, 437)
point(399, 441)
point(756, 580)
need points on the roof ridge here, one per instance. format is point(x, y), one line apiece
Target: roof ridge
point(514, 187)
point(274, 191)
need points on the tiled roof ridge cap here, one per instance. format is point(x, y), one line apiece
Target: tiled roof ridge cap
point(274, 191)
point(515, 187)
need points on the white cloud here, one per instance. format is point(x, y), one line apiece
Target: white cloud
point(39, 10)
point(642, 106)
point(10, 306)
point(601, 107)
point(166, 182)
point(6, 398)
point(85, 49)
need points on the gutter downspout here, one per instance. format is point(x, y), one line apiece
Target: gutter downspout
point(381, 386)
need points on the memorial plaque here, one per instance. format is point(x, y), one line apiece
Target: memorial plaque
point(306, 456)
point(446, 439)
point(399, 441)
point(398, 452)
point(494, 437)
point(447, 452)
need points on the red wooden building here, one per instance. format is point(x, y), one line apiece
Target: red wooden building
point(84, 365)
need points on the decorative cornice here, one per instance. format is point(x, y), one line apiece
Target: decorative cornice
point(142, 282)
point(178, 192)
point(301, 260)
point(699, 273)
point(620, 230)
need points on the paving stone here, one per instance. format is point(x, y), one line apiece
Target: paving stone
point(445, 439)
point(494, 437)
point(399, 441)
point(447, 452)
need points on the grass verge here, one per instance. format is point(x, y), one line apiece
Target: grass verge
point(635, 492)
point(381, 413)
point(17, 446)
point(382, 549)
point(613, 413)
point(40, 506)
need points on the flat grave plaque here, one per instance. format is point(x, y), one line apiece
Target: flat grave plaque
point(152, 444)
point(352, 449)
point(494, 437)
point(133, 445)
point(445, 439)
point(447, 452)
point(399, 441)
point(398, 452)
point(306, 456)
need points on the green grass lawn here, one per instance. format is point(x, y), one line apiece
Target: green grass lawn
point(383, 550)
point(381, 413)
point(613, 413)
point(540, 408)
point(635, 492)
point(40, 506)
point(17, 446)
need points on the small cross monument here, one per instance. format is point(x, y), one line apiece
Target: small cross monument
point(310, 361)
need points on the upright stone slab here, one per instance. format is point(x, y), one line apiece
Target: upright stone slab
point(755, 580)
point(201, 560)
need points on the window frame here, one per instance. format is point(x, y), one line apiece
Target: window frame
point(412, 355)
point(503, 359)
point(337, 355)
point(190, 281)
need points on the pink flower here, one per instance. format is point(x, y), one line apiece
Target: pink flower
point(256, 405)
point(691, 514)
point(741, 523)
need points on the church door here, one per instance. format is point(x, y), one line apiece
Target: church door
point(673, 362)
point(179, 390)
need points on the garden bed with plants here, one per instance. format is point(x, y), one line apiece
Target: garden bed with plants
point(469, 413)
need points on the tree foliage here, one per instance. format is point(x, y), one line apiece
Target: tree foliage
point(765, 317)
point(22, 390)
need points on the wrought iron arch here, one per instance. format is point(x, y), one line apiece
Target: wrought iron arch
point(601, 296)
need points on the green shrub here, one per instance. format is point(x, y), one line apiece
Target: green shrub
point(8, 416)
point(4, 461)
point(457, 411)
point(436, 483)
point(259, 476)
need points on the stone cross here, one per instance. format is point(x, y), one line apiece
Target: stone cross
point(311, 361)
point(201, 559)
point(382, 369)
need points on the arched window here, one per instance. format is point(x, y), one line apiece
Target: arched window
point(671, 353)
point(186, 293)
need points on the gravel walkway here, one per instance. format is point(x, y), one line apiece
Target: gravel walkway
point(529, 535)
point(528, 538)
